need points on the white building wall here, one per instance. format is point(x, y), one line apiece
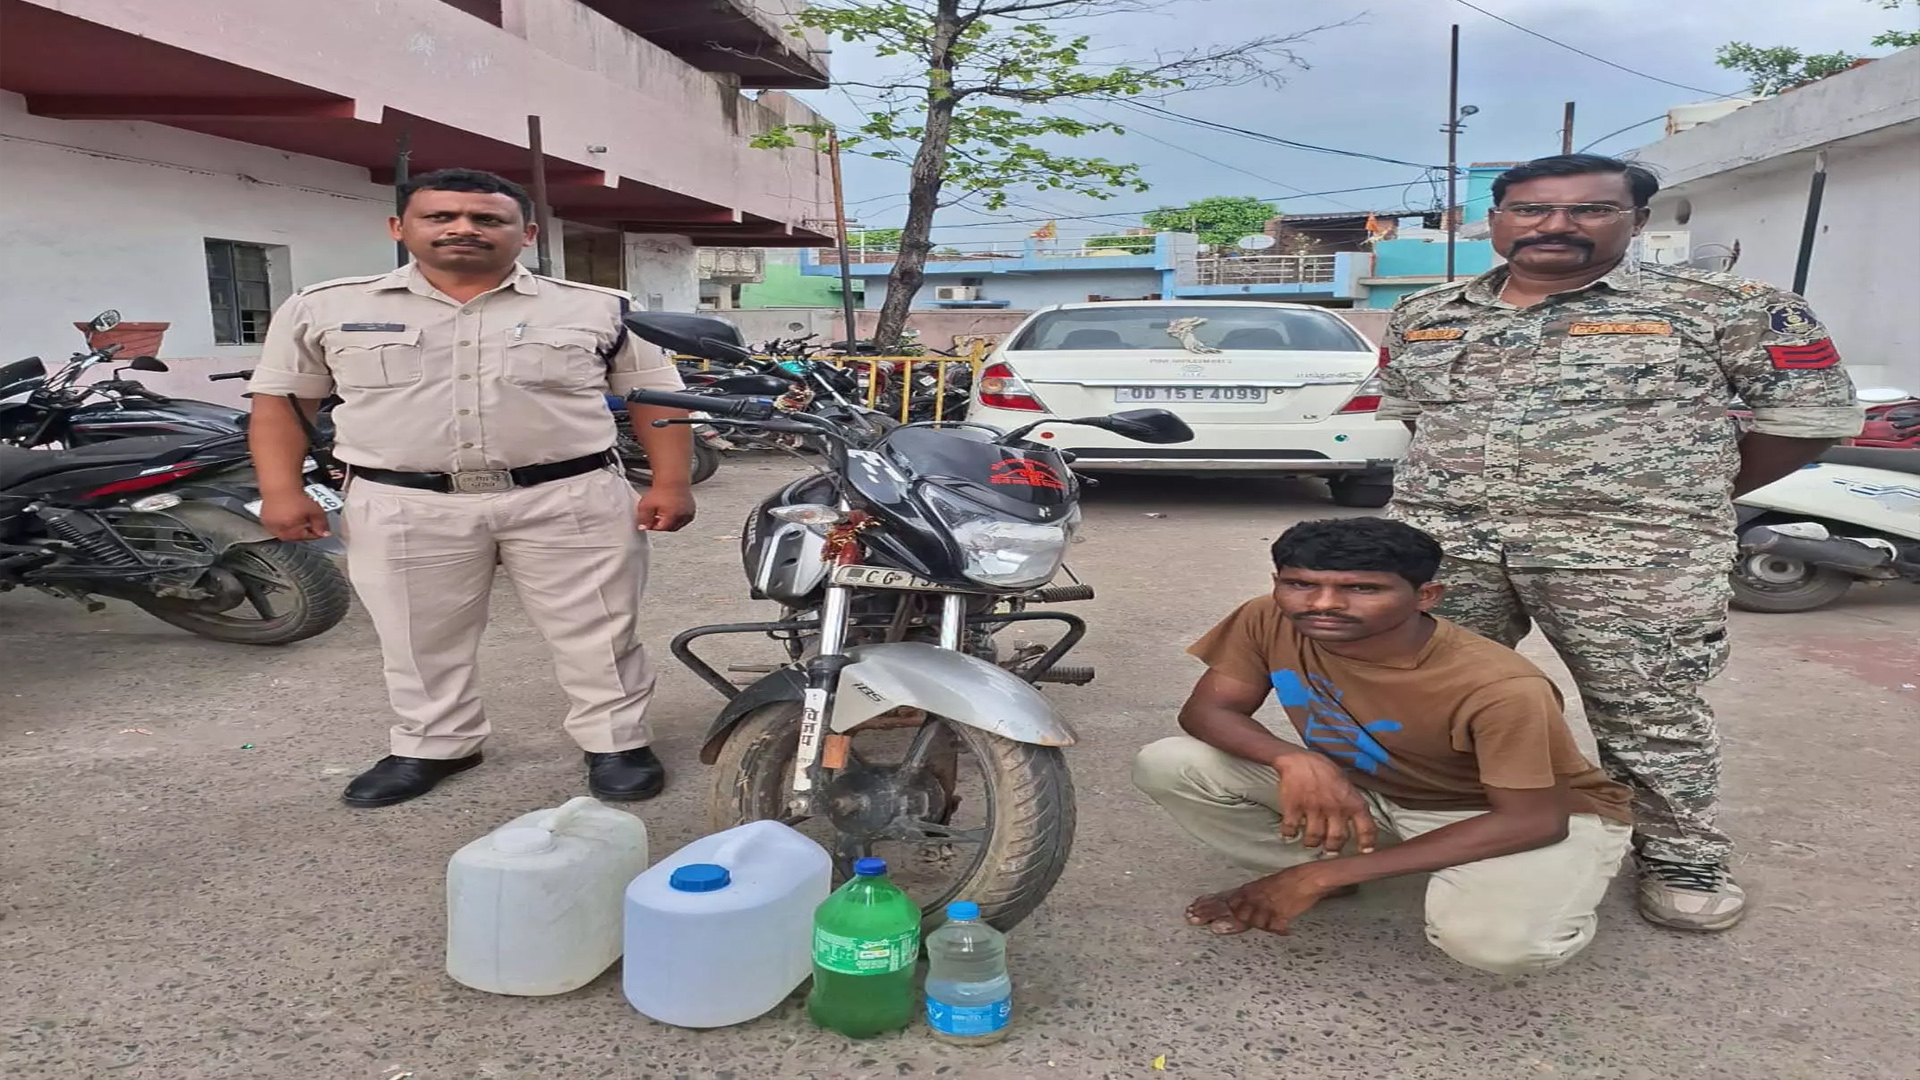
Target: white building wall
point(1865, 269)
point(1744, 178)
point(115, 215)
point(663, 272)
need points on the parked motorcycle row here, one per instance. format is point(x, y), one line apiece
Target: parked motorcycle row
point(108, 490)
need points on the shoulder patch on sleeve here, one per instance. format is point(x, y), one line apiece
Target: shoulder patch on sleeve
point(1793, 318)
point(1811, 356)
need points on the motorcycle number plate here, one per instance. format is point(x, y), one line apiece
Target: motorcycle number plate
point(881, 577)
point(328, 499)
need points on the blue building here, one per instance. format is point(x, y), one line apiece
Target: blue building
point(1037, 273)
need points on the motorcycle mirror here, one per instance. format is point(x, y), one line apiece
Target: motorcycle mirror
point(146, 363)
point(689, 333)
point(1144, 425)
point(104, 321)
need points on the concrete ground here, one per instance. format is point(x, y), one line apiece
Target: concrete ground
point(182, 895)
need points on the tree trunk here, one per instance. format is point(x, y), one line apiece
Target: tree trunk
point(923, 187)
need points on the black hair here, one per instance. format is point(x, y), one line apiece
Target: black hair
point(1639, 177)
point(1365, 544)
point(474, 180)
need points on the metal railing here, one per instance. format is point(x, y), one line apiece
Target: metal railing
point(1263, 270)
point(885, 374)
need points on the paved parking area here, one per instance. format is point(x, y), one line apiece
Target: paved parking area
point(183, 897)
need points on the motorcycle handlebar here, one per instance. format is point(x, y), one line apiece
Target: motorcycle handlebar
point(738, 408)
point(226, 375)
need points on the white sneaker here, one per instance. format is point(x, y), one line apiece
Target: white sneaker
point(1689, 896)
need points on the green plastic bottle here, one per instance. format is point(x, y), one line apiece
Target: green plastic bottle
point(866, 940)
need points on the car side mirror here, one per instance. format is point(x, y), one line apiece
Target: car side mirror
point(104, 321)
point(146, 363)
point(1157, 426)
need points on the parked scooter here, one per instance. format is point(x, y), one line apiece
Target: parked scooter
point(1854, 515)
point(169, 523)
point(900, 715)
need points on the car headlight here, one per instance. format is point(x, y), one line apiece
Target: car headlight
point(1000, 551)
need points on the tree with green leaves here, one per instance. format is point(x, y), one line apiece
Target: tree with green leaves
point(1132, 244)
point(1771, 69)
point(1219, 220)
point(976, 99)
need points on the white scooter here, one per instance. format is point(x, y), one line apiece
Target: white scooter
point(1853, 515)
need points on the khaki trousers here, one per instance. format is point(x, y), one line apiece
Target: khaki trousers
point(423, 563)
point(1512, 915)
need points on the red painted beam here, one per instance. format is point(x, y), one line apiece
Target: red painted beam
point(385, 175)
point(163, 109)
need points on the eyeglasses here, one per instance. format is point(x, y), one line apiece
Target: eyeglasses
point(1580, 213)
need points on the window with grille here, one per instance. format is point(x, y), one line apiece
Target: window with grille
point(241, 290)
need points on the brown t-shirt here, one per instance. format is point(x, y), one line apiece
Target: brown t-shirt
point(1432, 732)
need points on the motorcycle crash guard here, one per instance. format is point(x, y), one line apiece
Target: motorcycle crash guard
point(881, 678)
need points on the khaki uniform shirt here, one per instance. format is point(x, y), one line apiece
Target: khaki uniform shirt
point(516, 376)
point(1591, 429)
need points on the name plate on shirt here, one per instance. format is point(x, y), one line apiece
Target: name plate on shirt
point(373, 327)
point(1584, 329)
point(1444, 333)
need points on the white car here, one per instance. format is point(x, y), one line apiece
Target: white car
point(1267, 388)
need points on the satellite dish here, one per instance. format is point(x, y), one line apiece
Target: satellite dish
point(1259, 242)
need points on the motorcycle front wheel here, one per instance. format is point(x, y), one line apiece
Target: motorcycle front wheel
point(1004, 853)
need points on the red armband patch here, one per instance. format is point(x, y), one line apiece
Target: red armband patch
point(1808, 357)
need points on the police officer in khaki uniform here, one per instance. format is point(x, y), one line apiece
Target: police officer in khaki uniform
point(474, 424)
point(1573, 454)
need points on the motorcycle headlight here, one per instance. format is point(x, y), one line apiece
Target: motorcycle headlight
point(1000, 551)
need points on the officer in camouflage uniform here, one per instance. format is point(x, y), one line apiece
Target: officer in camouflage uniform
point(1573, 454)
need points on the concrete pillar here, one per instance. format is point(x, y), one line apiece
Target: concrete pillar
point(663, 272)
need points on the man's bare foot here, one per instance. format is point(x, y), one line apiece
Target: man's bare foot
point(1212, 912)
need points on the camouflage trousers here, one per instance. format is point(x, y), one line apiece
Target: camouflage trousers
point(1639, 644)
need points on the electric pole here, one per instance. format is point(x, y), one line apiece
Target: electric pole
point(1566, 131)
point(1453, 138)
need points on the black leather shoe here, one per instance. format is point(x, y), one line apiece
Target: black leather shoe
point(626, 776)
point(396, 779)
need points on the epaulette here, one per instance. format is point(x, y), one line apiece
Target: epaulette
point(318, 285)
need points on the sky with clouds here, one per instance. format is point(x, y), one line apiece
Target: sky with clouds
point(1379, 85)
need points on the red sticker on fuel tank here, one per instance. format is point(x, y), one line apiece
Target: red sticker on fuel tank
point(1025, 472)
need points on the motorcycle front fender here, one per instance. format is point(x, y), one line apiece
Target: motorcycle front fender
point(911, 674)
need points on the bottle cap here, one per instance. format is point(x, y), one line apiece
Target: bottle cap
point(963, 909)
point(869, 867)
point(699, 877)
point(522, 840)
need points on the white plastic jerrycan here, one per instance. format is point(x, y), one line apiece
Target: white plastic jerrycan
point(533, 907)
point(721, 931)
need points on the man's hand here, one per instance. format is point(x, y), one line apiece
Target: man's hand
point(1270, 903)
point(293, 516)
point(1319, 806)
point(664, 509)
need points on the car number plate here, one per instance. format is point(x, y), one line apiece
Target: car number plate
point(1237, 395)
point(881, 577)
point(328, 499)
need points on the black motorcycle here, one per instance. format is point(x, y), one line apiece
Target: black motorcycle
point(903, 716)
point(169, 523)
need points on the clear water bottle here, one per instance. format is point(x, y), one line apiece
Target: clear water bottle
point(969, 997)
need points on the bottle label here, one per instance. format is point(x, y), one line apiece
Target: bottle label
point(866, 956)
point(965, 1020)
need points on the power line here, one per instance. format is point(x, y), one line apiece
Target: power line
point(1588, 55)
point(1136, 214)
point(1274, 139)
point(1622, 131)
point(1208, 160)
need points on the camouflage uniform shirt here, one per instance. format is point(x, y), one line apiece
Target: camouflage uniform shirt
point(1591, 430)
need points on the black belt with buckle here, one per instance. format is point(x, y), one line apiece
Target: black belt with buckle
point(487, 481)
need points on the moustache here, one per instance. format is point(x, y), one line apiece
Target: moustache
point(1569, 241)
point(482, 244)
point(1324, 616)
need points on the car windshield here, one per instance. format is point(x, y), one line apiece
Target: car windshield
point(1221, 328)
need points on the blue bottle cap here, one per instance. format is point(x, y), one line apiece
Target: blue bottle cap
point(869, 867)
point(699, 877)
point(963, 909)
